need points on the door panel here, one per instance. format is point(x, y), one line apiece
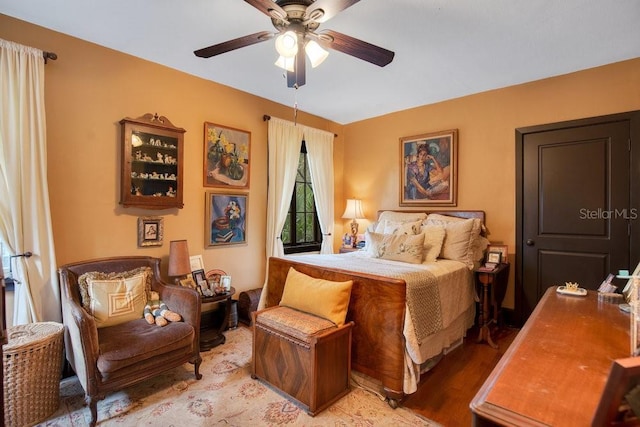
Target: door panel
point(575, 206)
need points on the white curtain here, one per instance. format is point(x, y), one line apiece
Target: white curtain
point(320, 156)
point(25, 220)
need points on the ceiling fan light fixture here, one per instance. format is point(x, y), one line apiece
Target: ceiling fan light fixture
point(315, 53)
point(286, 63)
point(287, 44)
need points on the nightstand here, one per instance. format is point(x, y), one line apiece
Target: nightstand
point(492, 286)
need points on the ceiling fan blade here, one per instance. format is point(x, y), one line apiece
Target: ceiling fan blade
point(266, 6)
point(354, 47)
point(330, 8)
point(297, 77)
point(229, 45)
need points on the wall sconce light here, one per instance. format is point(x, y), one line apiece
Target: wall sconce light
point(179, 263)
point(353, 211)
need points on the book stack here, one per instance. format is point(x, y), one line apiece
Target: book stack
point(488, 267)
point(224, 236)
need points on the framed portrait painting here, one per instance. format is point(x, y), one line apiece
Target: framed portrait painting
point(428, 169)
point(150, 231)
point(225, 219)
point(226, 156)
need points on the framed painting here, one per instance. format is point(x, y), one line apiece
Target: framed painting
point(150, 231)
point(428, 169)
point(225, 219)
point(226, 156)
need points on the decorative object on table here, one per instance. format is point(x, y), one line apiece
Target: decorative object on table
point(225, 219)
point(150, 231)
point(353, 211)
point(152, 163)
point(200, 280)
point(428, 169)
point(624, 274)
point(492, 260)
point(179, 263)
point(226, 156)
point(606, 286)
point(571, 288)
point(213, 281)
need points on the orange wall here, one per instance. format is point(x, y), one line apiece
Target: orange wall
point(90, 88)
point(486, 140)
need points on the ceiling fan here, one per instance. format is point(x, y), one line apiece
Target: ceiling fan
point(297, 22)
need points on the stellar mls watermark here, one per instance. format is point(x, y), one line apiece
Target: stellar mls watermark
point(627, 214)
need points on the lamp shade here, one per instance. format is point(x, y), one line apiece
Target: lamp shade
point(287, 44)
point(179, 264)
point(315, 53)
point(353, 210)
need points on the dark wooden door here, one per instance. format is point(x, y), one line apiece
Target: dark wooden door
point(574, 205)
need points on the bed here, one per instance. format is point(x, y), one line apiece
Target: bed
point(399, 329)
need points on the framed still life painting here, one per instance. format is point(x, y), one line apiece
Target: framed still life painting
point(225, 219)
point(226, 156)
point(428, 169)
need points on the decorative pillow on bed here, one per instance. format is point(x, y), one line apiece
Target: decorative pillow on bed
point(458, 239)
point(433, 239)
point(116, 301)
point(477, 244)
point(397, 217)
point(396, 227)
point(323, 298)
point(396, 247)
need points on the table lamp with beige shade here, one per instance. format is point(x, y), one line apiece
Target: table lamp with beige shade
point(353, 211)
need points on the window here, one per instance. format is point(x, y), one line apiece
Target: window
point(301, 231)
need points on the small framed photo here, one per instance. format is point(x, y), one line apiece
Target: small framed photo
point(188, 283)
point(494, 257)
point(150, 231)
point(196, 263)
point(200, 279)
point(503, 249)
point(225, 282)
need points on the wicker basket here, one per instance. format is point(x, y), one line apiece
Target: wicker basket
point(32, 371)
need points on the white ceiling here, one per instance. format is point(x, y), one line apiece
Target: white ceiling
point(444, 48)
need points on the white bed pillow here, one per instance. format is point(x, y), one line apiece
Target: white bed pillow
point(396, 247)
point(458, 239)
point(433, 240)
point(478, 243)
point(398, 217)
point(397, 227)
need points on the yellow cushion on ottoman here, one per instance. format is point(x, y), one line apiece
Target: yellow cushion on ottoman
point(324, 298)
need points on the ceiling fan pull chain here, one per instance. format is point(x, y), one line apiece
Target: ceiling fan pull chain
point(295, 107)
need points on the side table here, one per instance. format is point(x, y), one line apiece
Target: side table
point(492, 286)
point(212, 325)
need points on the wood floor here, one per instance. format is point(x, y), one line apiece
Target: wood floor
point(444, 393)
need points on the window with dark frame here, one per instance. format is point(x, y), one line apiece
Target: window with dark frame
point(301, 231)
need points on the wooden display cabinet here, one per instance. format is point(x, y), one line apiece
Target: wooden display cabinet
point(152, 163)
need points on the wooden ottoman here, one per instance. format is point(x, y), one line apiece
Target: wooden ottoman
point(305, 356)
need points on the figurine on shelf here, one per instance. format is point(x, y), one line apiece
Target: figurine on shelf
point(160, 157)
point(171, 192)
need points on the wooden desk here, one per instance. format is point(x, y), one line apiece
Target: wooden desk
point(555, 370)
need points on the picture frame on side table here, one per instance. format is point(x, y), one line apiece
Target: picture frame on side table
point(196, 263)
point(504, 252)
point(428, 169)
point(226, 156)
point(150, 231)
point(494, 257)
point(200, 279)
point(225, 219)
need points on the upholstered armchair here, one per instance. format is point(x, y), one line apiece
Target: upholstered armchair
point(108, 357)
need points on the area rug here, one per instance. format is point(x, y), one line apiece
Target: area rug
point(226, 395)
